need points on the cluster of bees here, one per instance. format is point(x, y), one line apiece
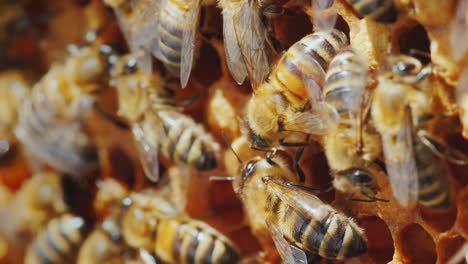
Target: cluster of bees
point(319, 90)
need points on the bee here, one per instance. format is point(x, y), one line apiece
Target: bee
point(289, 104)
point(248, 46)
point(57, 243)
point(105, 245)
point(157, 123)
point(50, 126)
point(381, 11)
point(37, 201)
point(296, 218)
point(14, 87)
point(151, 222)
point(354, 145)
point(401, 110)
point(166, 28)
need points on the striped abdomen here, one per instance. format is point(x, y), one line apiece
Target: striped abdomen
point(62, 145)
point(433, 189)
point(332, 236)
point(308, 58)
point(170, 33)
point(58, 242)
point(344, 83)
point(187, 142)
point(192, 242)
point(382, 11)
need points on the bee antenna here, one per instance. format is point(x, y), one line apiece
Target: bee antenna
point(220, 178)
point(230, 146)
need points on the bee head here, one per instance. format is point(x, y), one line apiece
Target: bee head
point(403, 65)
point(354, 180)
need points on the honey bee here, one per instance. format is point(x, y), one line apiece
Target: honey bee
point(289, 102)
point(14, 87)
point(296, 218)
point(50, 124)
point(354, 144)
point(246, 36)
point(380, 11)
point(105, 245)
point(151, 222)
point(58, 242)
point(157, 123)
point(401, 111)
point(37, 201)
point(166, 28)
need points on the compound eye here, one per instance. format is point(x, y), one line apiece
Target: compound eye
point(361, 176)
point(403, 68)
point(131, 66)
point(249, 169)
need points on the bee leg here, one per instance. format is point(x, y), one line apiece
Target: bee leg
point(297, 167)
point(269, 155)
point(109, 117)
point(441, 149)
point(424, 73)
point(350, 197)
point(188, 101)
point(374, 198)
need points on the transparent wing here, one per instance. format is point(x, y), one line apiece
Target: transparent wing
point(234, 59)
point(324, 15)
point(144, 22)
point(289, 253)
point(304, 201)
point(442, 150)
point(251, 35)
point(400, 162)
point(188, 42)
point(148, 153)
point(459, 30)
point(318, 120)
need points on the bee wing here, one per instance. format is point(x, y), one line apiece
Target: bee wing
point(245, 40)
point(148, 153)
point(310, 123)
point(324, 15)
point(234, 59)
point(298, 198)
point(442, 150)
point(400, 162)
point(140, 32)
point(288, 252)
point(188, 42)
point(459, 30)
point(144, 22)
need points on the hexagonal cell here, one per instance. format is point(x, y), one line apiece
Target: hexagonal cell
point(122, 167)
point(414, 38)
point(291, 28)
point(462, 204)
point(448, 245)
point(417, 245)
point(439, 221)
point(380, 241)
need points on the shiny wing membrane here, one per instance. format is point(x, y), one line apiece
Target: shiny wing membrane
point(400, 162)
point(289, 253)
point(188, 42)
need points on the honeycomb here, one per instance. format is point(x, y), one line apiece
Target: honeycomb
point(35, 33)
